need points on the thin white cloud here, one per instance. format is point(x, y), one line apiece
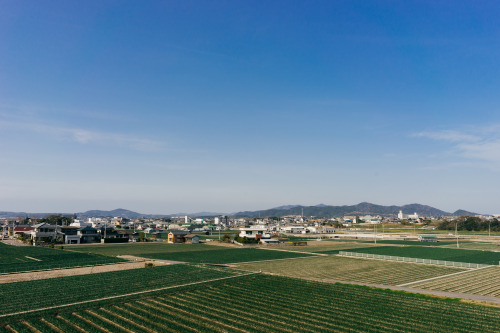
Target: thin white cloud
point(485, 150)
point(475, 144)
point(449, 135)
point(85, 136)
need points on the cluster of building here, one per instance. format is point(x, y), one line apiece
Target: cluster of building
point(94, 230)
point(180, 229)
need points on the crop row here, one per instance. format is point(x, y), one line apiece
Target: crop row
point(352, 269)
point(71, 289)
point(261, 303)
point(481, 282)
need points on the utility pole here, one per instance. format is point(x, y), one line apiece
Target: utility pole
point(375, 233)
point(456, 234)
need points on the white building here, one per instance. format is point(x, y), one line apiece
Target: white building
point(402, 216)
point(294, 230)
point(255, 232)
point(80, 224)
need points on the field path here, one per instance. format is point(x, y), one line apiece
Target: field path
point(29, 276)
point(124, 295)
point(156, 261)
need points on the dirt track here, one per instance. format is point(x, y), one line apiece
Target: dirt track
point(29, 276)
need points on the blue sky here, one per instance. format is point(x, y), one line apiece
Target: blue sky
point(186, 106)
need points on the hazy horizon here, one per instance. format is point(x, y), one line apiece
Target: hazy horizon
point(219, 211)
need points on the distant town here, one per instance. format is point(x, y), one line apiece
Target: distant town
point(58, 229)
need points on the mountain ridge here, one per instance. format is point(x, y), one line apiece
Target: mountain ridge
point(363, 208)
point(320, 210)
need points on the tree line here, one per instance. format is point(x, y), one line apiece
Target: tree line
point(470, 224)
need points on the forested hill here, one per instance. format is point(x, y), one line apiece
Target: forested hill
point(363, 208)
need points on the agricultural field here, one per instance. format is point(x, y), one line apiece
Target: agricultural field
point(325, 247)
point(29, 295)
point(262, 303)
point(141, 249)
point(352, 269)
point(226, 255)
point(484, 281)
point(31, 258)
point(476, 246)
point(436, 253)
point(415, 243)
point(194, 253)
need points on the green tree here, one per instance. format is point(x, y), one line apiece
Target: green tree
point(57, 219)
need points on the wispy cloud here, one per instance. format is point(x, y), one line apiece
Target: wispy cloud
point(449, 135)
point(487, 150)
point(480, 144)
point(86, 136)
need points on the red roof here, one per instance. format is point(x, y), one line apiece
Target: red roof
point(22, 229)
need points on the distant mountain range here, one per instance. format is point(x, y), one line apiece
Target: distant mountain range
point(320, 210)
point(120, 212)
point(363, 208)
point(133, 215)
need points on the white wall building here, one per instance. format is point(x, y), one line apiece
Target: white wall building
point(402, 216)
point(254, 232)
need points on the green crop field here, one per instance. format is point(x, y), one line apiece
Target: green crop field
point(262, 303)
point(226, 255)
point(352, 269)
point(194, 253)
point(476, 246)
point(65, 290)
point(436, 253)
point(484, 281)
point(414, 243)
point(326, 248)
point(141, 249)
point(31, 258)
